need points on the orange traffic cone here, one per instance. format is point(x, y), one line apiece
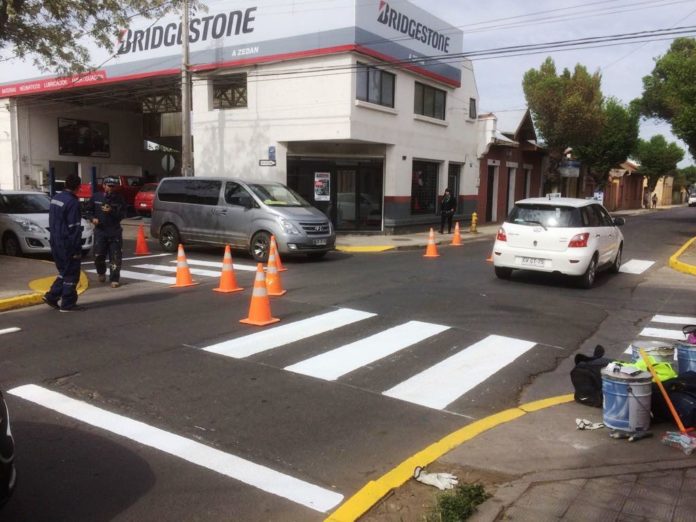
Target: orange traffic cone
point(141, 248)
point(274, 285)
point(183, 274)
point(457, 239)
point(489, 259)
point(260, 307)
point(431, 250)
point(228, 281)
point(279, 263)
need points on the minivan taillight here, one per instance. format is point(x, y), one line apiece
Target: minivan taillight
point(579, 240)
point(501, 235)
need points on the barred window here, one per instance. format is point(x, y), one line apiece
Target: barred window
point(424, 187)
point(429, 101)
point(375, 85)
point(230, 91)
point(472, 108)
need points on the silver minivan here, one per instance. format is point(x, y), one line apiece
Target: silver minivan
point(242, 214)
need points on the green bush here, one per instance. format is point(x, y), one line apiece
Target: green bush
point(458, 504)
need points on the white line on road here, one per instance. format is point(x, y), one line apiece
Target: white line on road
point(288, 333)
point(172, 269)
point(636, 266)
point(448, 380)
point(144, 277)
point(674, 319)
point(663, 333)
point(218, 265)
point(13, 329)
point(332, 365)
point(131, 258)
point(261, 477)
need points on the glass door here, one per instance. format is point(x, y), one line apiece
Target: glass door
point(347, 206)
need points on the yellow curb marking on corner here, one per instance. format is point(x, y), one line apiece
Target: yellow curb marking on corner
point(40, 287)
point(364, 248)
point(19, 301)
point(678, 265)
point(43, 284)
point(373, 491)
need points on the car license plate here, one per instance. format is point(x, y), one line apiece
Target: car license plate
point(533, 261)
point(320, 242)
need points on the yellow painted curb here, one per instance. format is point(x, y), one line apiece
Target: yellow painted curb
point(43, 284)
point(364, 248)
point(678, 265)
point(40, 287)
point(20, 301)
point(373, 491)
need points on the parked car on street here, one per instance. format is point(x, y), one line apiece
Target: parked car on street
point(575, 237)
point(144, 198)
point(692, 199)
point(24, 224)
point(8, 474)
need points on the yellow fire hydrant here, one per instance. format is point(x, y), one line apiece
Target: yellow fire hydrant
point(474, 220)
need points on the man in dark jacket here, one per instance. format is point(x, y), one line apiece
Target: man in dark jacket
point(65, 225)
point(106, 210)
point(448, 207)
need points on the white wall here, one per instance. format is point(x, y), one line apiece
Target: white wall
point(7, 157)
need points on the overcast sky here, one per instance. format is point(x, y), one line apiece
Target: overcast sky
point(492, 24)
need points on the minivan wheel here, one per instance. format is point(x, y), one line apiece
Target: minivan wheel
point(10, 245)
point(169, 238)
point(616, 265)
point(260, 246)
point(588, 278)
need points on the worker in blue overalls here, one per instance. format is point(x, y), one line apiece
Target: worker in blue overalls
point(106, 210)
point(65, 225)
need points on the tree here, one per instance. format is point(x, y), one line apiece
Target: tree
point(54, 34)
point(615, 142)
point(669, 93)
point(566, 108)
point(658, 158)
point(686, 178)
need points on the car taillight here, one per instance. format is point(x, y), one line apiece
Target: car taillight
point(579, 240)
point(501, 235)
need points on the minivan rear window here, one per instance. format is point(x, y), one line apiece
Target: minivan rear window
point(547, 215)
point(197, 191)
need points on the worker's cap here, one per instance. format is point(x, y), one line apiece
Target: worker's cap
point(111, 181)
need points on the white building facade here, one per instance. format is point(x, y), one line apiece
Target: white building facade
point(367, 109)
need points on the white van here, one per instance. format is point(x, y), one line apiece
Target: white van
point(242, 214)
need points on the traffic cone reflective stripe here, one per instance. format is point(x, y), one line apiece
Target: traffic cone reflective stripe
point(140, 243)
point(228, 281)
point(279, 263)
point(260, 306)
point(457, 239)
point(183, 274)
point(274, 285)
point(431, 250)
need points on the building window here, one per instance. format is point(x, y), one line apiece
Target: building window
point(424, 187)
point(429, 101)
point(472, 108)
point(230, 91)
point(375, 85)
point(453, 172)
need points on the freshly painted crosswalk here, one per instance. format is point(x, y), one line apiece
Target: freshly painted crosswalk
point(659, 332)
point(10, 330)
point(636, 266)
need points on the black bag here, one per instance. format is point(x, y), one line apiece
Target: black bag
point(682, 393)
point(586, 377)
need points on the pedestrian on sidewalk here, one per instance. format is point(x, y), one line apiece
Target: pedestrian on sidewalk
point(654, 201)
point(65, 224)
point(448, 207)
point(106, 210)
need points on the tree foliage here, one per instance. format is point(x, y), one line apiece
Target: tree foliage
point(658, 158)
point(615, 142)
point(566, 108)
point(686, 177)
point(54, 33)
point(669, 92)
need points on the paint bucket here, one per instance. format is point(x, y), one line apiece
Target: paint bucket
point(626, 399)
point(658, 350)
point(686, 357)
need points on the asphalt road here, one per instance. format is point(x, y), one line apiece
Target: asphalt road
point(283, 416)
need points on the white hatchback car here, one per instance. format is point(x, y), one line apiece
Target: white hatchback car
point(692, 199)
point(570, 236)
point(24, 224)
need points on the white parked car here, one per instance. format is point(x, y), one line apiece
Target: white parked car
point(24, 224)
point(575, 237)
point(692, 199)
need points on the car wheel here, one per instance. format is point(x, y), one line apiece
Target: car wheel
point(502, 272)
point(588, 278)
point(260, 246)
point(616, 265)
point(169, 238)
point(11, 246)
point(316, 255)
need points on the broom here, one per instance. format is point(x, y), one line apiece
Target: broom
point(682, 440)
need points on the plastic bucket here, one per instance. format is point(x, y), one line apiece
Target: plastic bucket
point(660, 351)
point(626, 400)
point(686, 357)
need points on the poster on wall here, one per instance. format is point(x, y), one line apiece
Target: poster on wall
point(83, 138)
point(322, 186)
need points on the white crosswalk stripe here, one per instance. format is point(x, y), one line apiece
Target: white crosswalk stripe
point(12, 329)
point(636, 266)
point(172, 270)
point(141, 276)
point(667, 334)
point(218, 265)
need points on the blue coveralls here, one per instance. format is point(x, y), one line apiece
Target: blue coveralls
point(108, 234)
point(65, 224)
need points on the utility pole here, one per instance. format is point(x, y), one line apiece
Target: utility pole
point(186, 155)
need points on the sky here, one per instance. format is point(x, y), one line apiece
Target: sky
point(493, 24)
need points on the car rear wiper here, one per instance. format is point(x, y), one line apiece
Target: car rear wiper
point(535, 223)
